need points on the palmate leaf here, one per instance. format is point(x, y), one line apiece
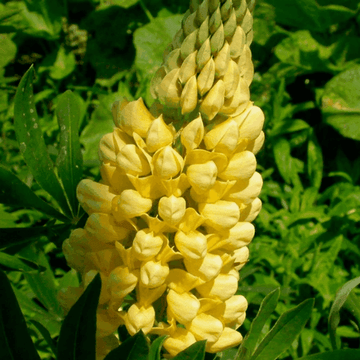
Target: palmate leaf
point(15, 341)
point(78, 333)
point(32, 144)
point(19, 264)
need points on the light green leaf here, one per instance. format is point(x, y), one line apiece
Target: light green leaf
point(340, 298)
point(18, 264)
point(315, 161)
point(340, 103)
point(122, 3)
point(7, 49)
point(64, 64)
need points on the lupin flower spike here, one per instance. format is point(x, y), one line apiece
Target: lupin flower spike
point(171, 217)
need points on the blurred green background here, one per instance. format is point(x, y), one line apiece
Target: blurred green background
point(307, 81)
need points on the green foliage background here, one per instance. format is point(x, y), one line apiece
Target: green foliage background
point(307, 81)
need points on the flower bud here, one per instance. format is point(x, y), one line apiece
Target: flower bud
point(169, 90)
point(228, 339)
point(107, 149)
point(94, 197)
point(206, 77)
point(172, 209)
point(188, 68)
point(245, 191)
point(135, 117)
point(231, 79)
point(122, 281)
point(222, 60)
point(220, 215)
point(250, 128)
point(238, 236)
point(167, 162)
point(192, 134)
point(223, 137)
point(133, 161)
point(130, 204)
point(139, 318)
point(159, 135)
point(246, 66)
point(188, 46)
point(241, 167)
point(202, 176)
point(189, 100)
point(207, 268)
point(206, 327)
point(192, 245)
point(237, 43)
point(234, 308)
point(146, 245)
point(102, 227)
point(183, 307)
point(153, 273)
point(204, 53)
point(179, 341)
point(213, 101)
point(223, 287)
point(217, 40)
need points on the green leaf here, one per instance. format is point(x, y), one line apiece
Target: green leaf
point(14, 192)
point(155, 348)
point(334, 355)
point(122, 3)
point(133, 348)
point(194, 352)
point(32, 144)
point(15, 341)
point(315, 161)
point(18, 264)
point(7, 50)
point(78, 333)
point(340, 103)
point(46, 335)
point(43, 285)
point(289, 126)
point(267, 307)
point(284, 332)
point(151, 40)
point(69, 161)
point(340, 298)
point(63, 65)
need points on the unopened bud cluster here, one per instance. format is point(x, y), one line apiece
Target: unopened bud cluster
point(170, 221)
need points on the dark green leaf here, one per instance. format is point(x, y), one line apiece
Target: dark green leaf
point(46, 335)
point(267, 307)
point(19, 264)
point(69, 161)
point(340, 298)
point(345, 354)
point(15, 341)
point(7, 50)
point(32, 144)
point(78, 333)
point(283, 159)
point(340, 103)
point(194, 352)
point(155, 348)
point(133, 348)
point(286, 127)
point(43, 285)
point(14, 192)
point(284, 332)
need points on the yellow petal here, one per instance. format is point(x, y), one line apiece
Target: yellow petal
point(241, 167)
point(130, 204)
point(135, 117)
point(214, 194)
point(206, 327)
point(132, 161)
point(239, 101)
point(245, 191)
point(169, 89)
point(181, 281)
point(206, 77)
point(191, 220)
point(231, 79)
point(192, 245)
point(147, 296)
point(167, 162)
point(179, 341)
point(107, 151)
point(122, 281)
point(172, 209)
point(237, 43)
point(159, 135)
point(241, 257)
point(107, 322)
point(192, 134)
point(213, 101)
point(116, 110)
point(146, 245)
point(188, 68)
point(200, 156)
point(220, 215)
point(234, 307)
point(148, 187)
point(153, 273)
point(207, 268)
point(183, 307)
point(256, 145)
point(202, 176)
point(94, 197)
point(228, 339)
point(189, 100)
point(139, 318)
point(222, 287)
point(104, 228)
point(251, 211)
point(222, 60)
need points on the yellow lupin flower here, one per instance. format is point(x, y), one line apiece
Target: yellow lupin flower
point(171, 217)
